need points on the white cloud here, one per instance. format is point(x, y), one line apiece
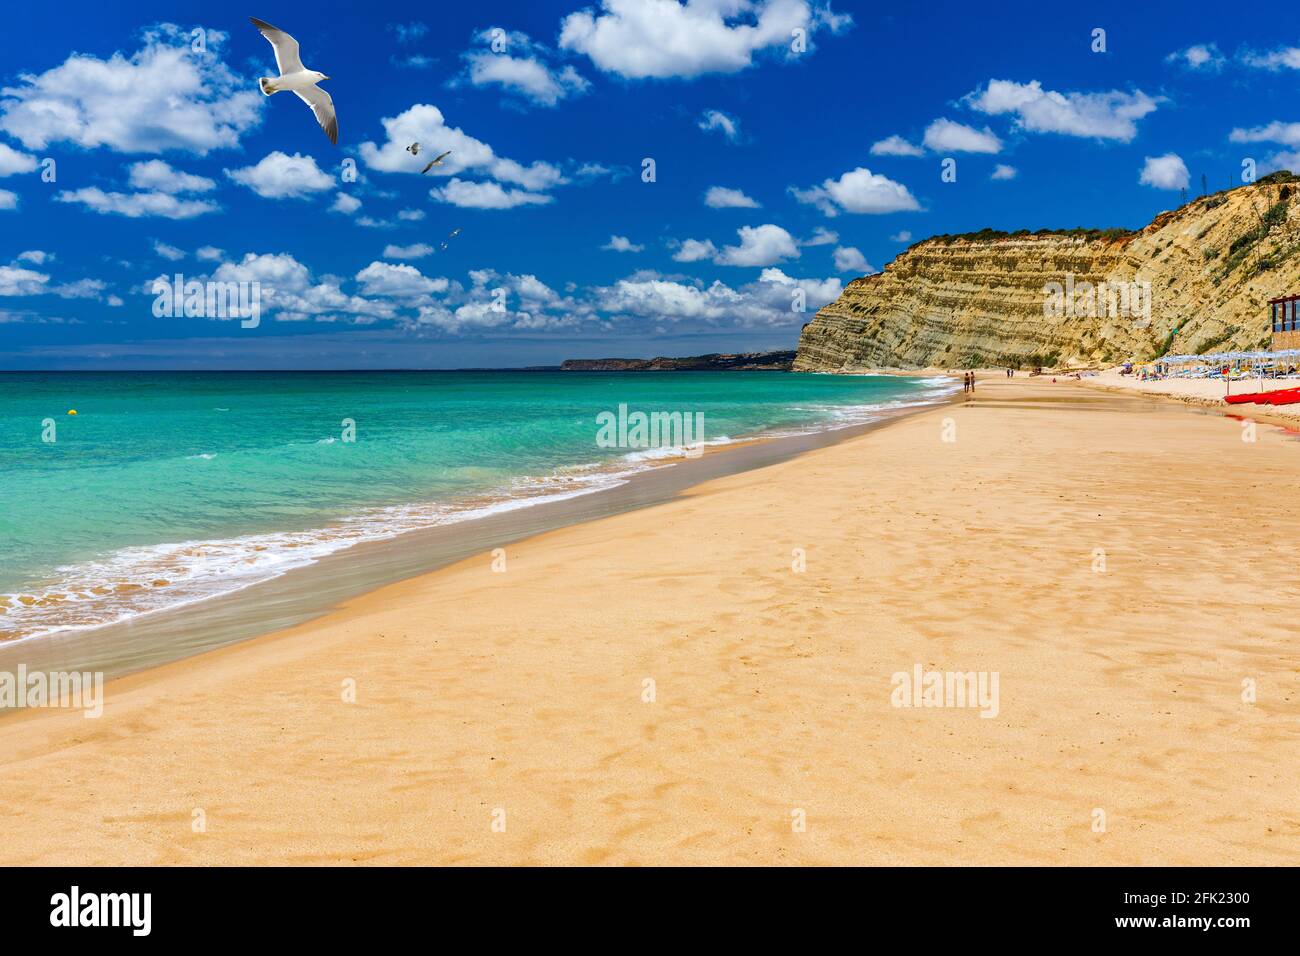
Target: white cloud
point(20, 281)
point(415, 251)
point(1002, 172)
point(858, 191)
point(37, 256)
point(759, 246)
point(485, 195)
point(1284, 58)
point(288, 289)
point(1288, 134)
point(621, 244)
point(12, 161)
point(902, 235)
point(522, 67)
point(137, 205)
point(1109, 115)
point(280, 176)
point(209, 253)
point(728, 126)
point(1198, 56)
point(895, 146)
point(721, 197)
point(411, 215)
point(162, 97)
point(695, 250)
point(424, 124)
point(167, 252)
point(156, 175)
point(8, 199)
point(1164, 172)
point(641, 39)
point(821, 237)
point(400, 281)
point(345, 204)
point(947, 136)
point(849, 259)
point(765, 302)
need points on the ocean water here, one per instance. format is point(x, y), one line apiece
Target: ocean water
point(169, 488)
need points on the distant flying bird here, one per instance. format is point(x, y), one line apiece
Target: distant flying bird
point(414, 149)
point(296, 77)
point(436, 161)
point(451, 235)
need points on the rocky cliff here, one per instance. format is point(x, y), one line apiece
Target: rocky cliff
point(1195, 279)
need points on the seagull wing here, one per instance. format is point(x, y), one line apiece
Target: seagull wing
point(323, 107)
point(286, 47)
point(438, 160)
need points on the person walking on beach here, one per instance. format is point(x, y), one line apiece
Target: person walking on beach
point(972, 382)
point(965, 382)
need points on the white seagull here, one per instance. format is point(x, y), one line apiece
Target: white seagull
point(296, 77)
point(436, 161)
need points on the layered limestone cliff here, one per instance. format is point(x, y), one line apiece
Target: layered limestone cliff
point(1196, 279)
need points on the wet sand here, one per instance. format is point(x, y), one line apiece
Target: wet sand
point(1118, 563)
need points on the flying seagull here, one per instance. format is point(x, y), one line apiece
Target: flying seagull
point(414, 149)
point(296, 77)
point(436, 161)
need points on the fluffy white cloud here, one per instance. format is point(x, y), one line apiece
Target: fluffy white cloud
point(1002, 172)
point(821, 237)
point(289, 290)
point(411, 215)
point(209, 254)
point(641, 39)
point(167, 252)
point(21, 281)
point(903, 235)
point(399, 281)
point(137, 205)
point(850, 259)
point(417, 250)
point(425, 124)
point(162, 97)
point(621, 244)
point(1287, 134)
point(280, 176)
point(521, 67)
point(765, 302)
point(12, 161)
point(1284, 58)
point(947, 136)
point(721, 197)
point(858, 191)
point(8, 199)
point(1164, 172)
point(895, 146)
point(717, 120)
point(485, 195)
point(345, 204)
point(154, 174)
point(695, 250)
point(1110, 115)
point(759, 246)
point(1198, 56)
point(37, 256)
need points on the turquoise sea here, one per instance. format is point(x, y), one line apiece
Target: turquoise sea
point(168, 488)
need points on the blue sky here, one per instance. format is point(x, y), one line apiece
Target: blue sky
point(782, 169)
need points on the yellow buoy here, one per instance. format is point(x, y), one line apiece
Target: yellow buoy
point(72, 411)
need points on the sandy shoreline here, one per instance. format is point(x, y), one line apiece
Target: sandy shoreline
point(522, 691)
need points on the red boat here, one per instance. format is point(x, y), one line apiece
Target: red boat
point(1283, 396)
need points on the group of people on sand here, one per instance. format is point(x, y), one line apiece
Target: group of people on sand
point(968, 382)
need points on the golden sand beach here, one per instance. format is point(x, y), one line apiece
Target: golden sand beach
point(1120, 563)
